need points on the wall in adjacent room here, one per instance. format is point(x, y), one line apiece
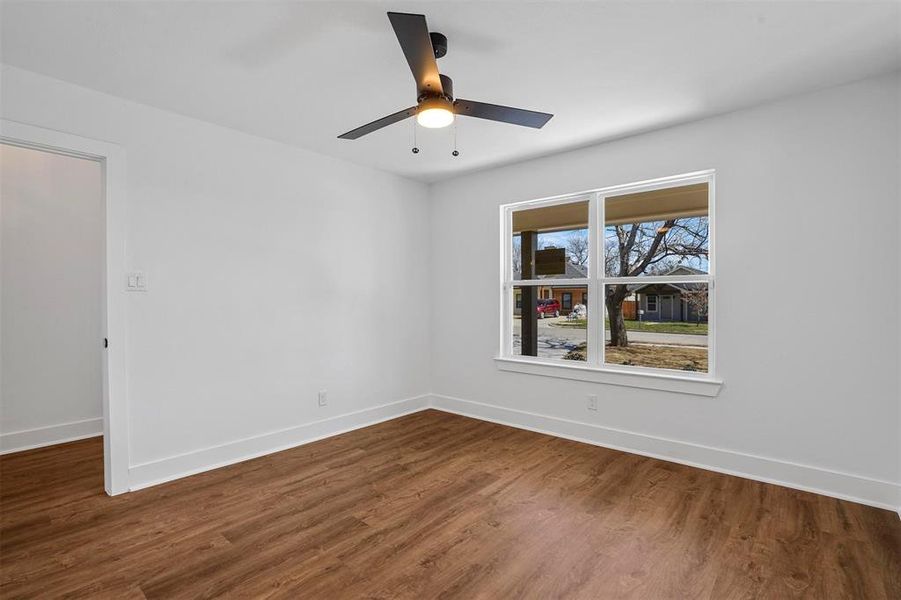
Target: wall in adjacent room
point(807, 211)
point(273, 272)
point(51, 252)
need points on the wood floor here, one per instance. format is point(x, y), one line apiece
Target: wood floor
point(434, 505)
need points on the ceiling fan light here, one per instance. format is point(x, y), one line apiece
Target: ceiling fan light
point(434, 113)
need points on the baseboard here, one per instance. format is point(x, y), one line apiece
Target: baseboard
point(846, 486)
point(175, 467)
point(28, 439)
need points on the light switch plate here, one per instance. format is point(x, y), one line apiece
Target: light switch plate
point(136, 282)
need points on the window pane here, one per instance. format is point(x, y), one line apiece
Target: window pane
point(670, 333)
point(557, 236)
point(661, 232)
point(559, 332)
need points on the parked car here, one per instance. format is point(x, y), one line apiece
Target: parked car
point(548, 307)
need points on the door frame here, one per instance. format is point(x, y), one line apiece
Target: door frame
point(113, 316)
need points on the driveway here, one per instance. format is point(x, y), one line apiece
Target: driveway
point(555, 342)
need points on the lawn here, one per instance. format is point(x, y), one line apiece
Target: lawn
point(680, 358)
point(650, 326)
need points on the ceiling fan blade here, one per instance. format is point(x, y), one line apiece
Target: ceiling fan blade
point(376, 125)
point(504, 114)
point(413, 35)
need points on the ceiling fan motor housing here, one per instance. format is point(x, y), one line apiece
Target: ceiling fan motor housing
point(447, 85)
point(447, 88)
point(439, 43)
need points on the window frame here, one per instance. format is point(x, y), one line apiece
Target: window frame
point(647, 302)
point(595, 369)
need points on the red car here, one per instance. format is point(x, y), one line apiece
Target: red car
point(548, 308)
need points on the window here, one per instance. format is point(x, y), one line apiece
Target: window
point(640, 258)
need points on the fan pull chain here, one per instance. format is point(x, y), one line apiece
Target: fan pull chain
point(455, 152)
point(415, 147)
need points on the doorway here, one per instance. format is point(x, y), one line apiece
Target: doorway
point(62, 318)
point(51, 214)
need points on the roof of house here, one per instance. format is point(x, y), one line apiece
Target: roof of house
point(573, 271)
point(682, 287)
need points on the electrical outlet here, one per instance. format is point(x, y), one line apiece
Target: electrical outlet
point(323, 397)
point(592, 402)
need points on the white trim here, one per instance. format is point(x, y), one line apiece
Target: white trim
point(115, 401)
point(657, 379)
point(507, 302)
point(549, 282)
point(28, 439)
point(594, 336)
point(206, 459)
point(836, 484)
point(646, 185)
point(549, 201)
point(711, 272)
point(808, 478)
point(647, 303)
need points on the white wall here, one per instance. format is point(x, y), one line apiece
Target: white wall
point(51, 216)
point(807, 216)
point(273, 272)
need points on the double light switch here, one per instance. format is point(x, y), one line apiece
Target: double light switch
point(137, 282)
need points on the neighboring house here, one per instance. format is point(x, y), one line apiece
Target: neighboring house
point(665, 301)
point(659, 301)
point(568, 296)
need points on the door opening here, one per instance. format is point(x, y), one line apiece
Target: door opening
point(63, 315)
point(51, 215)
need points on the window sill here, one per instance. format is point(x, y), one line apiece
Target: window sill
point(682, 384)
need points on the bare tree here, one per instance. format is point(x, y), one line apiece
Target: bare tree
point(697, 299)
point(577, 247)
point(642, 248)
point(610, 259)
point(517, 254)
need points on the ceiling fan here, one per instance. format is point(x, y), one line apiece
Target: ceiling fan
point(435, 104)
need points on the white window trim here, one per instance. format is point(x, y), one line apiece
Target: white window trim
point(594, 369)
point(647, 301)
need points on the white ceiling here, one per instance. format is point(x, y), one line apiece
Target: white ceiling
point(303, 73)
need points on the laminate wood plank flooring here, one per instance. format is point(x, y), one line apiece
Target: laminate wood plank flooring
point(434, 505)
